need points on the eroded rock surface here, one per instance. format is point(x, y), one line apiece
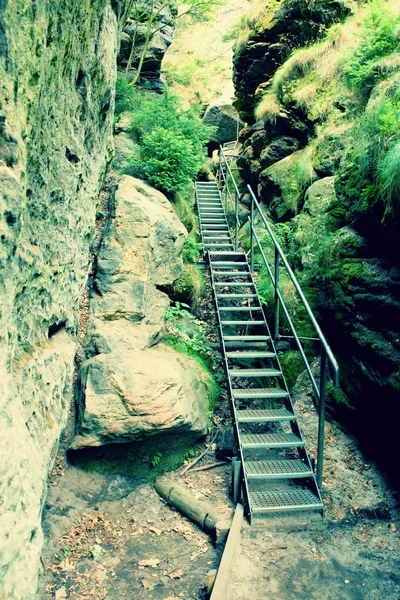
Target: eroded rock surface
point(160, 16)
point(131, 385)
point(224, 118)
point(57, 81)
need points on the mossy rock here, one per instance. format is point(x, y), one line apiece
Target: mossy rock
point(283, 184)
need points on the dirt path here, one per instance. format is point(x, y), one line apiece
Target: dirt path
point(356, 555)
point(111, 537)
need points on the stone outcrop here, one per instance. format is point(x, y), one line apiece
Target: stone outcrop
point(133, 41)
point(57, 81)
point(224, 118)
point(131, 385)
point(294, 23)
point(344, 239)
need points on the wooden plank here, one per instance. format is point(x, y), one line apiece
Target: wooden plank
point(226, 564)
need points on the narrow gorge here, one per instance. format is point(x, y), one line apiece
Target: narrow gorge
point(111, 370)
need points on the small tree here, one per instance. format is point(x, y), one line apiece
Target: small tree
point(148, 13)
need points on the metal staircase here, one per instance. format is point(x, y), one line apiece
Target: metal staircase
point(276, 471)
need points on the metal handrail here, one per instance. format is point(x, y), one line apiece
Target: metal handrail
point(326, 356)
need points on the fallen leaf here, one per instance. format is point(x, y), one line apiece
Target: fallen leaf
point(155, 530)
point(176, 574)
point(393, 527)
point(149, 562)
point(347, 580)
point(382, 543)
point(61, 593)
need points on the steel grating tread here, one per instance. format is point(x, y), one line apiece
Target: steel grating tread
point(259, 393)
point(240, 308)
point(233, 296)
point(296, 499)
point(269, 415)
point(244, 284)
point(247, 338)
point(255, 373)
point(233, 274)
point(276, 469)
point(248, 354)
point(270, 440)
point(248, 323)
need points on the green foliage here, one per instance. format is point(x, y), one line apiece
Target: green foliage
point(166, 160)
point(292, 366)
point(183, 204)
point(190, 285)
point(191, 249)
point(369, 175)
point(378, 38)
point(155, 460)
point(171, 140)
point(189, 335)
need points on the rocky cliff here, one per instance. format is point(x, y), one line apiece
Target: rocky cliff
point(145, 39)
point(57, 81)
point(325, 116)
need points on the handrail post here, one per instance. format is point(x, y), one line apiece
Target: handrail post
point(236, 221)
point(252, 234)
point(321, 421)
point(219, 168)
point(276, 296)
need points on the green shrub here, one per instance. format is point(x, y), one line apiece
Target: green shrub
point(369, 175)
point(191, 249)
point(171, 140)
point(378, 38)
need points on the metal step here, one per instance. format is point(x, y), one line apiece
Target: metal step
point(289, 500)
point(248, 354)
point(270, 440)
point(277, 469)
point(226, 263)
point(247, 338)
point(208, 246)
point(234, 296)
point(248, 323)
point(240, 308)
point(234, 284)
point(214, 227)
point(249, 373)
point(271, 415)
point(240, 394)
point(232, 274)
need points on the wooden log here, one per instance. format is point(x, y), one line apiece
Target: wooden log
point(200, 512)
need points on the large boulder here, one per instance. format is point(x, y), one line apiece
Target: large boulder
point(131, 386)
point(130, 394)
point(225, 119)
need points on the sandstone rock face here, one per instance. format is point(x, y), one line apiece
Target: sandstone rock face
point(225, 120)
point(135, 32)
point(56, 113)
point(132, 386)
point(292, 24)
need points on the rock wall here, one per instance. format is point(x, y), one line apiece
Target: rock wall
point(301, 156)
point(278, 31)
point(57, 80)
point(131, 385)
point(133, 41)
